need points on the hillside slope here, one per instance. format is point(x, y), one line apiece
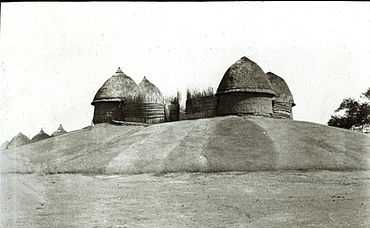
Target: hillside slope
point(217, 144)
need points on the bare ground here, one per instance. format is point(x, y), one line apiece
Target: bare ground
point(182, 179)
point(229, 143)
point(228, 199)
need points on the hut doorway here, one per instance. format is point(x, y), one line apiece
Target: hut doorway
point(117, 113)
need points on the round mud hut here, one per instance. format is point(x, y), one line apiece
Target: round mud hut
point(283, 103)
point(245, 90)
point(18, 140)
point(108, 100)
point(40, 136)
point(147, 106)
point(59, 131)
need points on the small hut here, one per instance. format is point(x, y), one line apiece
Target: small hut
point(109, 98)
point(147, 106)
point(40, 136)
point(4, 146)
point(59, 131)
point(245, 90)
point(283, 103)
point(18, 140)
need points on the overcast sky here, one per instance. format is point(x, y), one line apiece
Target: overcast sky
point(55, 56)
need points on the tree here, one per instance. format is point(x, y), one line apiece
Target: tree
point(352, 112)
point(367, 94)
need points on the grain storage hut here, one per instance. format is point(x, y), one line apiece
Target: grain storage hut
point(4, 146)
point(40, 136)
point(283, 103)
point(59, 131)
point(109, 98)
point(147, 106)
point(18, 140)
point(245, 90)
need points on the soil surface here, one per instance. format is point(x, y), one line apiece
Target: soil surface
point(217, 172)
point(227, 199)
point(218, 144)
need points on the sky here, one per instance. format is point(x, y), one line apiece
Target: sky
point(55, 56)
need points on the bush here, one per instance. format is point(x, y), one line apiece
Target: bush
point(352, 112)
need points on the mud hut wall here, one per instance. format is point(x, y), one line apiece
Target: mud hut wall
point(106, 111)
point(201, 107)
point(282, 110)
point(143, 112)
point(244, 103)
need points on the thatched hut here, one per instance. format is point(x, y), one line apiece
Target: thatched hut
point(59, 131)
point(147, 106)
point(18, 140)
point(108, 100)
point(40, 136)
point(245, 90)
point(283, 103)
point(4, 145)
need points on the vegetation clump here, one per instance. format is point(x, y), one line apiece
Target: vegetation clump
point(352, 112)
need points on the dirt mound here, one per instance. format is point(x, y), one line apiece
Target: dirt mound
point(217, 144)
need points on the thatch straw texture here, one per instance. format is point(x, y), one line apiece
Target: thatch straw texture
point(283, 101)
point(143, 112)
point(120, 99)
point(201, 107)
point(146, 106)
point(40, 136)
point(282, 110)
point(4, 145)
point(149, 92)
point(280, 88)
point(245, 90)
point(59, 131)
point(244, 104)
point(116, 88)
point(245, 76)
point(195, 93)
point(18, 140)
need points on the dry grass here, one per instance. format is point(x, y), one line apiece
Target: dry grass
point(174, 99)
point(196, 93)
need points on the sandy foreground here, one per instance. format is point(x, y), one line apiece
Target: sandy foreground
point(229, 199)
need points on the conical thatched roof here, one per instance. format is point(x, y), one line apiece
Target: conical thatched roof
point(245, 76)
point(149, 92)
point(281, 88)
point(4, 146)
point(18, 140)
point(116, 88)
point(40, 136)
point(59, 131)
